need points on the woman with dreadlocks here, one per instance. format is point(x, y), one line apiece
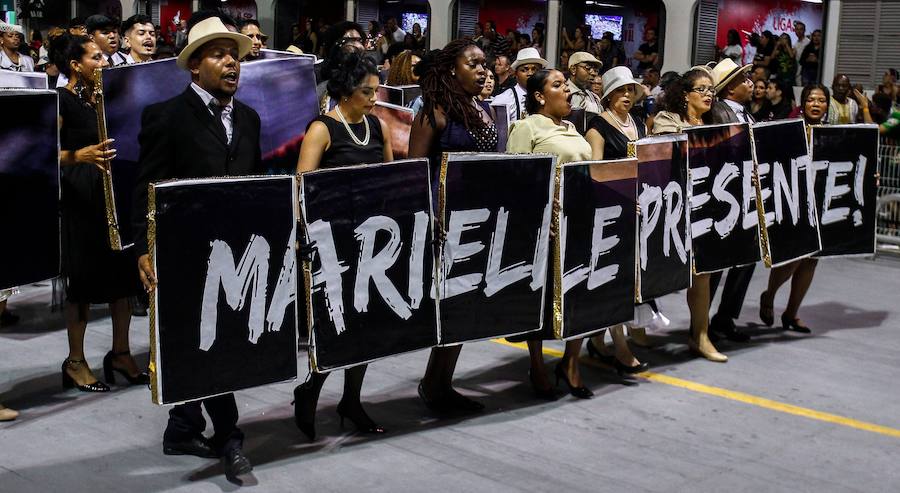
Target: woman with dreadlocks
point(451, 120)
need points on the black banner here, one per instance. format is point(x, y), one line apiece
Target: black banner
point(371, 293)
point(596, 247)
point(495, 212)
point(786, 189)
point(224, 311)
point(664, 246)
point(845, 159)
point(281, 90)
point(724, 222)
point(29, 187)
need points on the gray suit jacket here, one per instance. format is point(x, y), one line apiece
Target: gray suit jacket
point(722, 113)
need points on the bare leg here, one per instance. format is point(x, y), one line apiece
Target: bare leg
point(599, 343)
point(623, 352)
point(76, 324)
point(800, 283)
point(121, 322)
point(698, 302)
point(777, 277)
point(538, 371)
point(570, 361)
point(439, 372)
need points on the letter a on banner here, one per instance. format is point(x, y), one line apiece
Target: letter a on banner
point(223, 316)
point(369, 284)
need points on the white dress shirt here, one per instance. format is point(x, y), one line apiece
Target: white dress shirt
point(514, 99)
point(226, 110)
point(739, 110)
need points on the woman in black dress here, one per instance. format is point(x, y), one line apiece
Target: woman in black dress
point(92, 271)
point(609, 134)
point(451, 120)
point(346, 135)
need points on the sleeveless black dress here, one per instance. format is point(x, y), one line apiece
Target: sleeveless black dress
point(92, 271)
point(344, 151)
point(615, 143)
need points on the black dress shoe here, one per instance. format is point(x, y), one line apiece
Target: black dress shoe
point(197, 446)
point(235, 463)
point(788, 323)
point(450, 401)
point(726, 328)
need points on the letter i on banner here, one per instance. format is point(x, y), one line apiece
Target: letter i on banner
point(786, 205)
point(373, 263)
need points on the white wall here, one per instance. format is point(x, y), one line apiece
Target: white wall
point(679, 37)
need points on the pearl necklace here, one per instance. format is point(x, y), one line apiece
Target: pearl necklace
point(358, 142)
point(622, 124)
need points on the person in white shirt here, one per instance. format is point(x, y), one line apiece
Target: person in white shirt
point(528, 61)
point(802, 41)
point(11, 36)
point(139, 32)
point(395, 34)
point(105, 32)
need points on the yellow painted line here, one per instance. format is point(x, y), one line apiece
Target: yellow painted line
point(737, 396)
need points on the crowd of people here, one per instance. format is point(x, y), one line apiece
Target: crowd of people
point(463, 85)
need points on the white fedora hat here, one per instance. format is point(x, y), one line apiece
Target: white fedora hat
point(617, 77)
point(725, 71)
point(208, 30)
point(529, 55)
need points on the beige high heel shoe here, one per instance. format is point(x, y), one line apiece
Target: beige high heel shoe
point(713, 355)
point(7, 414)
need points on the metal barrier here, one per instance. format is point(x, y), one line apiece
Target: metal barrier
point(888, 208)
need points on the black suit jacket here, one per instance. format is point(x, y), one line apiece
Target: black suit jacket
point(180, 139)
point(722, 113)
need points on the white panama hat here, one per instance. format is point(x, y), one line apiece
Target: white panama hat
point(208, 30)
point(529, 55)
point(617, 77)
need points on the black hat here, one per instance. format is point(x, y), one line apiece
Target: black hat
point(100, 21)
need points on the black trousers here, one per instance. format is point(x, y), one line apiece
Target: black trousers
point(186, 422)
point(734, 292)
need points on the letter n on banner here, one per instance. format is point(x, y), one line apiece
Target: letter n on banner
point(224, 314)
point(664, 243)
point(369, 291)
point(724, 222)
point(495, 211)
point(785, 187)
point(844, 162)
point(594, 248)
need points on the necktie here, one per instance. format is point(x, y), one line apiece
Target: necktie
point(217, 110)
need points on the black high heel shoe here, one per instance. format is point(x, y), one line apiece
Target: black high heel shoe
point(68, 382)
point(788, 323)
point(548, 394)
point(579, 392)
point(109, 371)
point(305, 410)
point(360, 419)
point(612, 361)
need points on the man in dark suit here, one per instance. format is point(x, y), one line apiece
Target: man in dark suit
point(203, 132)
point(734, 89)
